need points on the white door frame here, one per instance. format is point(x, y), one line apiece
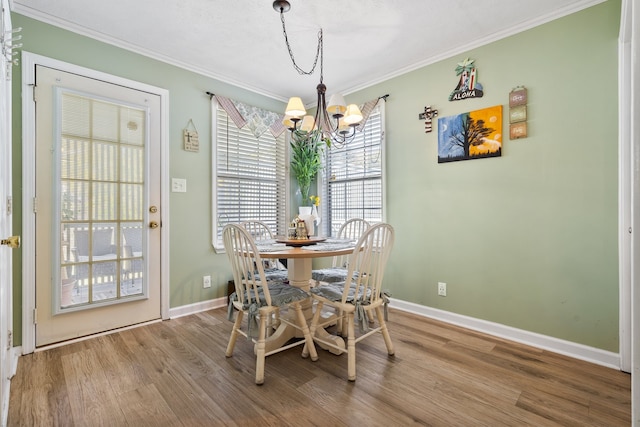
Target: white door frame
point(629, 198)
point(625, 191)
point(8, 358)
point(29, 61)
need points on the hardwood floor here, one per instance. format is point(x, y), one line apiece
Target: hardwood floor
point(175, 373)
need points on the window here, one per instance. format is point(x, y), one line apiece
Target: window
point(250, 176)
point(352, 182)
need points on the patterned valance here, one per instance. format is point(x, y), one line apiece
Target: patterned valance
point(258, 120)
point(366, 110)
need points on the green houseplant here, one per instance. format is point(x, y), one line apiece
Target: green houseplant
point(306, 159)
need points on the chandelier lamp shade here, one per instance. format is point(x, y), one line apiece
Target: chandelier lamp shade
point(336, 120)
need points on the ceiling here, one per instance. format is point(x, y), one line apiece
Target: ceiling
point(242, 43)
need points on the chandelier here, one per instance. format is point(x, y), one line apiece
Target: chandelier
point(336, 121)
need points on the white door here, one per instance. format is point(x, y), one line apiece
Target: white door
point(97, 224)
point(5, 218)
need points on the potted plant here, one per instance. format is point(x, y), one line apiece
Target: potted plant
point(306, 159)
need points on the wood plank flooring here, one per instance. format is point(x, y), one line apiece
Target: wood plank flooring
point(175, 373)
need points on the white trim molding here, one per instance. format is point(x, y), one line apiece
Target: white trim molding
point(544, 342)
point(186, 310)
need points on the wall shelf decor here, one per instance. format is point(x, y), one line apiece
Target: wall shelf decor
point(518, 112)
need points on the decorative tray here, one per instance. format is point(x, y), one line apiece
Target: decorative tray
point(301, 242)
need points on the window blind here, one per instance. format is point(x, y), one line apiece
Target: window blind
point(352, 184)
point(250, 177)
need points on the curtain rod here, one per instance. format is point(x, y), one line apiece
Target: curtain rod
point(380, 97)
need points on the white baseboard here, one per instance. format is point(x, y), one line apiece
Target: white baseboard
point(567, 348)
point(13, 355)
point(197, 307)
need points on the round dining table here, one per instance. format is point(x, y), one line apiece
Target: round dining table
point(299, 258)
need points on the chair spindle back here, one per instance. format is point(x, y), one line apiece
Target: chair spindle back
point(246, 264)
point(369, 258)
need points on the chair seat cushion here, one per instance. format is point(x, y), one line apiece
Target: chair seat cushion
point(281, 294)
point(276, 275)
point(333, 291)
point(330, 275)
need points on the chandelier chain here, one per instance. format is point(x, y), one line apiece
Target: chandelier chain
point(319, 51)
point(336, 123)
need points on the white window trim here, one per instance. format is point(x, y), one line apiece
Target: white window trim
point(218, 245)
point(214, 173)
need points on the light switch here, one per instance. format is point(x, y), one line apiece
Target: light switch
point(178, 185)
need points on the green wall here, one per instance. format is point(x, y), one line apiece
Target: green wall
point(528, 240)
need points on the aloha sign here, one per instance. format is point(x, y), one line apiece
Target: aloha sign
point(468, 86)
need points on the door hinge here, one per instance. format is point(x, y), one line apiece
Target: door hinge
point(35, 205)
point(9, 340)
point(35, 98)
point(9, 205)
point(35, 316)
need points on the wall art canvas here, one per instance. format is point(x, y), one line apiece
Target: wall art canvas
point(473, 135)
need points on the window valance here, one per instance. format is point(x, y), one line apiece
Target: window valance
point(257, 119)
point(260, 120)
point(366, 110)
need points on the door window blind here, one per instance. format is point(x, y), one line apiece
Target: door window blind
point(250, 177)
point(352, 184)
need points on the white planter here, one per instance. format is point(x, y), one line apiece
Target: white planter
point(305, 214)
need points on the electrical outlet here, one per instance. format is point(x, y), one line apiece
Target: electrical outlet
point(442, 289)
point(206, 281)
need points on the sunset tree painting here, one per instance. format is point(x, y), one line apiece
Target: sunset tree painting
point(473, 135)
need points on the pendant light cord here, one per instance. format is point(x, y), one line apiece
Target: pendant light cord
point(319, 51)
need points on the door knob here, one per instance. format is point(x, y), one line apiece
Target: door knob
point(153, 224)
point(13, 242)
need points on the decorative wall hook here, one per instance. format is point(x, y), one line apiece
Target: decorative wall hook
point(8, 45)
point(427, 116)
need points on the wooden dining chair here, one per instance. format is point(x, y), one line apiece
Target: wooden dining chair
point(259, 302)
point(351, 229)
point(360, 295)
point(260, 232)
